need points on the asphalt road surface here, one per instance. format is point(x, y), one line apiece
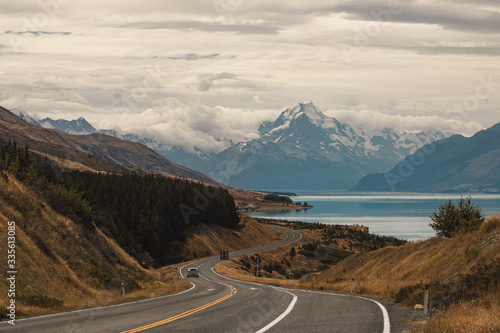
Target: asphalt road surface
point(218, 304)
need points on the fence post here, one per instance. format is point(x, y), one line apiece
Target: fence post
point(426, 298)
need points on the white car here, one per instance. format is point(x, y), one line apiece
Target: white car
point(193, 272)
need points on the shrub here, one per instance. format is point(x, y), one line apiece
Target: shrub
point(277, 198)
point(454, 219)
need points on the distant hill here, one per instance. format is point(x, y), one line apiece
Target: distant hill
point(455, 164)
point(95, 151)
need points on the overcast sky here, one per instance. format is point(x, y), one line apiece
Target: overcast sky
point(189, 71)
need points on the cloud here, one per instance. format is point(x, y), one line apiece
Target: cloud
point(258, 100)
point(463, 18)
point(257, 27)
point(194, 56)
point(191, 125)
point(207, 80)
point(188, 73)
point(38, 33)
point(371, 121)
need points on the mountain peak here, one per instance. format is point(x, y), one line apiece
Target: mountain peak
point(79, 126)
point(306, 108)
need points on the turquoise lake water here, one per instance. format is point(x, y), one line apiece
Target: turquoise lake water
point(405, 216)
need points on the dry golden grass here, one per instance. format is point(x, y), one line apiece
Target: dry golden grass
point(463, 318)
point(234, 271)
point(58, 260)
point(385, 271)
point(66, 163)
point(209, 240)
point(481, 315)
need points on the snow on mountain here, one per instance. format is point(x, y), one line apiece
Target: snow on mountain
point(25, 117)
point(302, 149)
point(79, 126)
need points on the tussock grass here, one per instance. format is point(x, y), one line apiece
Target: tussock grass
point(206, 241)
point(63, 266)
point(385, 271)
point(398, 274)
point(463, 318)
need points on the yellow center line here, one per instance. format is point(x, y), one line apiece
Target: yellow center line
point(184, 314)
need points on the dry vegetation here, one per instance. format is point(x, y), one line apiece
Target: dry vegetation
point(385, 271)
point(464, 273)
point(244, 266)
point(207, 241)
point(64, 266)
point(314, 252)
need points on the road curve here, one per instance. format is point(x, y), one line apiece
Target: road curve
point(219, 304)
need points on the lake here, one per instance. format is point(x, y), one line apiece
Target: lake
point(402, 215)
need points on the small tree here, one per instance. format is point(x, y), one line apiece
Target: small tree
point(454, 219)
point(292, 252)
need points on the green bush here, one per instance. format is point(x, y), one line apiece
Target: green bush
point(453, 219)
point(277, 198)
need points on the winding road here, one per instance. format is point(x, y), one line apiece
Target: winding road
point(218, 304)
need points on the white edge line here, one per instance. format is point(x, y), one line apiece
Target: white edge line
point(385, 314)
point(281, 316)
point(105, 306)
point(154, 298)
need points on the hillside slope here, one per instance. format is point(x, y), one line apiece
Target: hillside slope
point(444, 260)
point(95, 151)
point(60, 264)
point(456, 164)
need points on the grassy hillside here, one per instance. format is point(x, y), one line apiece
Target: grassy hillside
point(464, 272)
point(93, 151)
point(148, 215)
point(207, 241)
point(62, 265)
point(320, 247)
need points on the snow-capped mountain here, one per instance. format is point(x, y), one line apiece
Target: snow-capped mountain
point(79, 126)
point(25, 117)
point(302, 149)
point(305, 149)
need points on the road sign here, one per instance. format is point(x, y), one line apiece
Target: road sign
point(224, 255)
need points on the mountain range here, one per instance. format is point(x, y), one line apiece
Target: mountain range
point(305, 149)
point(455, 164)
point(96, 151)
point(302, 149)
